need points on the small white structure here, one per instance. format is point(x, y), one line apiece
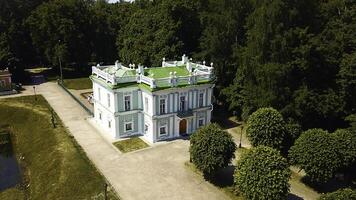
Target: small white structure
point(159, 103)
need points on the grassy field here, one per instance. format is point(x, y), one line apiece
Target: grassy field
point(53, 164)
point(131, 144)
point(78, 83)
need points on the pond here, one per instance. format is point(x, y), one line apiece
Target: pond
point(10, 174)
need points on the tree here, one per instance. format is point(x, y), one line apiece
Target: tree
point(266, 127)
point(262, 173)
point(158, 29)
point(321, 154)
point(341, 194)
point(211, 149)
point(65, 24)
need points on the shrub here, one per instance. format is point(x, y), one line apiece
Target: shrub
point(262, 173)
point(343, 194)
point(211, 149)
point(266, 127)
point(322, 154)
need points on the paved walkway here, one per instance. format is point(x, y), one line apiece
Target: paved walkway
point(154, 173)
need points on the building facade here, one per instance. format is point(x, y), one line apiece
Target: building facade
point(159, 103)
point(5, 81)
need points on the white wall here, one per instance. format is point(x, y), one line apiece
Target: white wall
point(101, 106)
point(150, 108)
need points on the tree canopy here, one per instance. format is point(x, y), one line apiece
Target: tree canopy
point(211, 149)
point(266, 127)
point(262, 173)
point(339, 194)
point(295, 56)
point(321, 154)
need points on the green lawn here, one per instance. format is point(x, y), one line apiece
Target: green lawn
point(163, 72)
point(78, 83)
point(54, 165)
point(131, 144)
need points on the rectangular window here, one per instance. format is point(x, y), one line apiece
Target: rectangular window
point(201, 99)
point(182, 103)
point(128, 126)
point(100, 115)
point(201, 122)
point(146, 104)
point(109, 123)
point(2, 83)
point(108, 100)
point(163, 130)
point(162, 106)
point(127, 103)
point(99, 94)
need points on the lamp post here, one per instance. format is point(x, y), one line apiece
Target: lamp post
point(60, 63)
point(105, 191)
point(242, 127)
point(52, 119)
point(34, 91)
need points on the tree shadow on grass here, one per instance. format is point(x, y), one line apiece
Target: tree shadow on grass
point(330, 186)
point(293, 197)
point(224, 177)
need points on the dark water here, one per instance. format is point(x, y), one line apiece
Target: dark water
point(9, 169)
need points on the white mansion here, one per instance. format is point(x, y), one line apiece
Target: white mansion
point(159, 103)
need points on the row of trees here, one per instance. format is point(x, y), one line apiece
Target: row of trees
point(319, 153)
point(263, 171)
point(296, 56)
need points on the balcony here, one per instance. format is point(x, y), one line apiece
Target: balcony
point(185, 113)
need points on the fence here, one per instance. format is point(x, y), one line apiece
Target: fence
point(76, 99)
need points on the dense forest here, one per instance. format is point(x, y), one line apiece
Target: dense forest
point(297, 56)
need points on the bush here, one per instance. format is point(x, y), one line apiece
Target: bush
point(266, 127)
point(314, 152)
point(322, 154)
point(343, 194)
point(262, 173)
point(211, 149)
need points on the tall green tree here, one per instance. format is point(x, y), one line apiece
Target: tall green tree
point(266, 127)
point(321, 154)
point(211, 149)
point(59, 24)
point(158, 29)
point(262, 173)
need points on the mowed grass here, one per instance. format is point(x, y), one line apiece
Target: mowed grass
point(163, 72)
point(54, 165)
point(131, 144)
point(78, 83)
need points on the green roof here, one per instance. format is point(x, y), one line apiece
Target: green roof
point(142, 85)
point(163, 72)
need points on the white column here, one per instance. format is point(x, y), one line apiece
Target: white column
point(140, 120)
point(154, 105)
point(208, 116)
point(171, 131)
point(171, 96)
point(154, 130)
